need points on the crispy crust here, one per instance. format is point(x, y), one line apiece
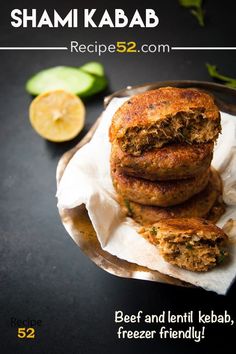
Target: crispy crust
point(180, 229)
point(190, 243)
point(157, 117)
point(158, 193)
point(206, 204)
point(175, 161)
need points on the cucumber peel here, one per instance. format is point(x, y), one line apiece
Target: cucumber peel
point(93, 68)
point(60, 77)
point(99, 85)
point(97, 71)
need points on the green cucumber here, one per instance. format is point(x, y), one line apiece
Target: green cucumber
point(97, 71)
point(61, 77)
point(99, 85)
point(93, 68)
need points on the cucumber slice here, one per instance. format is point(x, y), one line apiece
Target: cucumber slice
point(93, 68)
point(60, 77)
point(99, 85)
point(97, 71)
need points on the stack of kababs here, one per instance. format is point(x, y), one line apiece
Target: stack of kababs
point(162, 148)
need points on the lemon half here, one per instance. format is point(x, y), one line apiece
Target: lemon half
point(57, 115)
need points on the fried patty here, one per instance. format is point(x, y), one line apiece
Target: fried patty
point(175, 161)
point(158, 117)
point(193, 244)
point(206, 204)
point(158, 193)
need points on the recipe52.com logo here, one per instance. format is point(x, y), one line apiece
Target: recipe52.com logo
point(118, 47)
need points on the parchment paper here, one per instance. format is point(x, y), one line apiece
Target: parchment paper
point(87, 180)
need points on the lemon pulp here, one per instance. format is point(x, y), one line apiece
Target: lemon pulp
point(57, 115)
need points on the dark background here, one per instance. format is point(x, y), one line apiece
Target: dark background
point(43, 274)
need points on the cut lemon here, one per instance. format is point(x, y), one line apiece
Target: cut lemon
point(57, 115)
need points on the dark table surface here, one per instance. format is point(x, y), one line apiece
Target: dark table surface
point(43, 274)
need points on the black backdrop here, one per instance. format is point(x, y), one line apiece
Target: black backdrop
point(43, 275)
